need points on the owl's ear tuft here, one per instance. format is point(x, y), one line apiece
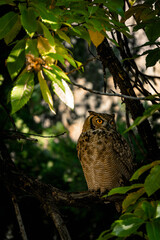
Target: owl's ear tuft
point(91, 112)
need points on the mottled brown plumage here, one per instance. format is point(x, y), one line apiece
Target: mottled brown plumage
point(104, 154)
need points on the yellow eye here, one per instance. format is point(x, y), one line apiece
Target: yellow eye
point(99, 121)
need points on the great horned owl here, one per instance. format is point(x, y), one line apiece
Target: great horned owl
point(104, 154)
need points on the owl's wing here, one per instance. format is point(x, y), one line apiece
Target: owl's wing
point(122, 148)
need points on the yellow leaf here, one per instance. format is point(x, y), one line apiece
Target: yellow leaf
point(96, 37)
point(44, 46)
point(45, 91)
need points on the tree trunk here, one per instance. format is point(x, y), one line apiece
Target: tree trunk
point(135, 107)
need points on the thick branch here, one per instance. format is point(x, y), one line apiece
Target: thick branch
point(48, 196)
point(122, 79)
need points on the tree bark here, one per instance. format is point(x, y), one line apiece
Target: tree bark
point(135, 107)
point(48, 196)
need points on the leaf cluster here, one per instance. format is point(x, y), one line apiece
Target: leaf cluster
point(139, 208)
point(40, 53)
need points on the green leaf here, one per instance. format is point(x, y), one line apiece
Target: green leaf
point(153, 230)
point(158, 210)
point(116, 6)
point(92, 9)
point(47, 15)
point(143, 169)
point(31, 47)
point(47, 34)
point(106, 235)
point(152, 182)
point(126, 226)
point(58, 71)
point(13, 32)
point(57, 56)
point(52, 76)
point(152, 30)
point(65, 95)
point(6, 23)
point(28, 19)
point(71, 60)
point(132, 198)
point(82, 33)
point(149, 209)
point(63, 36)
point(45, 91)
point(152, 57)
point(3, 2)
point(16, 59)
point(147, 113)
point(123, 190)
point(60, 87)
point(22, 90)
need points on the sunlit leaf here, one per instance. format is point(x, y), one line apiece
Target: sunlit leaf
point(47, 34)
point(31, 47)
point(66, 96)
point(7, 22)
point(10, 36)
point(60, 72)
point(96, 37)
point(16, 59)
point(125, 227)
point(44, 46)
point(158, 210)
point(152, 182)
point(57, 57)
point(45, 91)
point(143, 169)
point(28, 19)
point(22, 90)
point(60, 87)
point(46, 15)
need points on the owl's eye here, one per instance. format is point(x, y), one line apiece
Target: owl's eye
point(100, 121)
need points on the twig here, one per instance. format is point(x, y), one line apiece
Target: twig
point(19, 218)
point(11, 134)
point(112, 94)
point(58, 221)
point(82, 65)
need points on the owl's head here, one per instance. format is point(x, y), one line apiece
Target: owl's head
point(99, 120)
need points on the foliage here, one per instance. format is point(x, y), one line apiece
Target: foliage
point(48, 26)
point(139, 208)
point(39, 36)
point(147, 113)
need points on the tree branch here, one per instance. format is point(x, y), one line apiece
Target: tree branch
point(48, 196)
point(11, 134)
point(112, 94)
point(19, 218)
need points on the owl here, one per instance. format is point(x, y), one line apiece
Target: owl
point(104, 154)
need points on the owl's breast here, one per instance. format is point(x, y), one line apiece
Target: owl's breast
point(103, 161)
